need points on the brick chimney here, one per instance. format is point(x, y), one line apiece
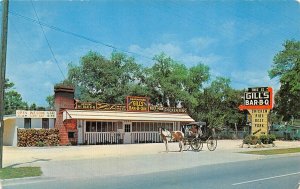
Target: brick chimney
point(64, 100)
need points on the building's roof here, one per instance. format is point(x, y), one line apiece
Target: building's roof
point(7, 117)
point(121, 115)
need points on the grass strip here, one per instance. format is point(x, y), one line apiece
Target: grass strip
point(19, 172)
point(274, 151)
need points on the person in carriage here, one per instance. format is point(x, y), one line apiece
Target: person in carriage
point(194, 129)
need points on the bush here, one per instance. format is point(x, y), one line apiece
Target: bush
point(251, 139)
point(272, 138)
point(264, 139)
point(267, 139)
point(40, 144)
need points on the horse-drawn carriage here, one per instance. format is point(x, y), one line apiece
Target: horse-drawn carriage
point(191, 135)
point(197, 133)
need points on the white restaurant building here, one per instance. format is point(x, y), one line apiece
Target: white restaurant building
point(136, 121)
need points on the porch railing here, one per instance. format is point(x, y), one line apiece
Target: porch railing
point(103, 138)
point(117, 138)
point(145, 137)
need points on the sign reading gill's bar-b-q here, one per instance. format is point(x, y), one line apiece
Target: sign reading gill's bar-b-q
point(258, 101)
point(137, 104)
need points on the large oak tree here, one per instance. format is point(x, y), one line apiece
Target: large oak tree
point(286, 67)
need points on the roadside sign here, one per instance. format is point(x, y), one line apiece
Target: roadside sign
point(258, 101)
point(258, 98)
point(259, 125)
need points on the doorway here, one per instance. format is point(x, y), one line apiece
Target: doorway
point(127, 133)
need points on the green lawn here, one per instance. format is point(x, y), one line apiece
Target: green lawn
point(20, 172)
point(275, 151)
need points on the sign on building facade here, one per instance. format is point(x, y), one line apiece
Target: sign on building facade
point(99, 106)
point(137, 104)
point(258, 101)
point(35, 114)
point(133, 104)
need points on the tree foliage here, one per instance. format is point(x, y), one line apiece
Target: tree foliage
point(50, 101)
point(218, 104)
point(172, 83)
point(106, 80)
point(12, 99)
point(286, 67)
point(167, 82)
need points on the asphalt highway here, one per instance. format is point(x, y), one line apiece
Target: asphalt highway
point(277, 172)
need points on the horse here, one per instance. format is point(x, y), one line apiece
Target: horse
point(166, 135)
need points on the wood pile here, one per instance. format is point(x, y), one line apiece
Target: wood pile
point(38, 137)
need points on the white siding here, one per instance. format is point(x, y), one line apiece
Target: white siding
point(80, 127)
point(20, 122)
point(35, 123)
point(10, 133)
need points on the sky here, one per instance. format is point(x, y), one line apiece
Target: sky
point(236, 39)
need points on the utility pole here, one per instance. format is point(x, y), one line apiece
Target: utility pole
point(3, 68)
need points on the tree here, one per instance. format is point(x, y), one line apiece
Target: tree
point(50, 101)
point(12, 99)
point(33, 106)
point(164, 79)
point(172, 83)
point(106, 80)
point(218, 104)
point(286, 67)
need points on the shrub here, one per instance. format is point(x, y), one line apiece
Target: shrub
point(272, 138)
point(267, 139)
point(40, 144)
point(264, 139)
point(251, 139)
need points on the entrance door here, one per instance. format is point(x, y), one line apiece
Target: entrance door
point(127, 135)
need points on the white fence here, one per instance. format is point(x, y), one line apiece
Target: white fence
point(117, 138)
point(145, 137)
point(103, 138)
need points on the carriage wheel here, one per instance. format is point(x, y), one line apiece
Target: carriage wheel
point(196, 144)
point(211, 143)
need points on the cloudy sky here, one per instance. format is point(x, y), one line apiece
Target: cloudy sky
point(236, 39)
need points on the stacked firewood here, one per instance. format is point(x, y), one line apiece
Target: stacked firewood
point(38, 137)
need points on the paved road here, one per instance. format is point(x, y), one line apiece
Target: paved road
point(274, 172)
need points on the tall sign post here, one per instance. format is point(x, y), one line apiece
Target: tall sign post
point(2, 74)
point(258, 101)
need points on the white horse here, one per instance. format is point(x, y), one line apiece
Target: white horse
point(166, 135)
